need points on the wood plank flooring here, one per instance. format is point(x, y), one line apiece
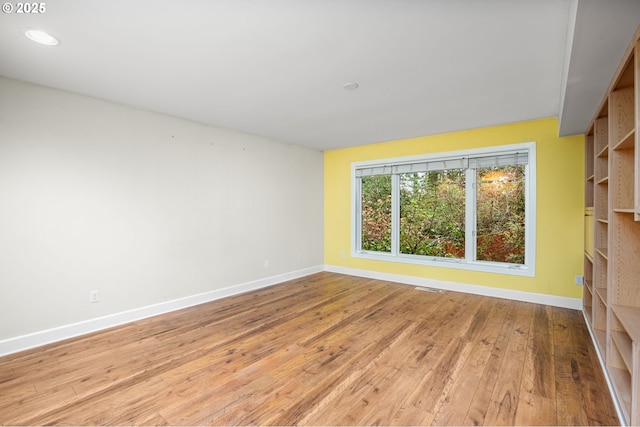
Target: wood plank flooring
point(327, 349)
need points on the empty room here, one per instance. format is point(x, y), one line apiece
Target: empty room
point(320, 212)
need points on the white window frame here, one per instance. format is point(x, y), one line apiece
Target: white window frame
point(468, 263)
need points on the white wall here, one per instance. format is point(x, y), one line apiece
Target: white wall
point(145, 208)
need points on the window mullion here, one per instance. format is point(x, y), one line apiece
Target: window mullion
point(530, 203)
point(470, 216)
point(395, 214)
point(358, 210)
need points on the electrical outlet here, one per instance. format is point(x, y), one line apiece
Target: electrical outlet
point(580, 280)
point(341, 254)
point(266, 263)
point(94, 297)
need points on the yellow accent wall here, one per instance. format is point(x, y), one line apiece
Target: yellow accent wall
point(560, 205)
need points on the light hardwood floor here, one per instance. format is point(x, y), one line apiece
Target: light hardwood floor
point(327, 349)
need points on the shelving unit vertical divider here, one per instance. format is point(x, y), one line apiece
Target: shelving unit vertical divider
point(601, 227)
point(636, 93)
point(589, 246)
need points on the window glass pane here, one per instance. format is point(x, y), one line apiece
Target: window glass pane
point(500, 204)
point(432, 208)
point(376, 213)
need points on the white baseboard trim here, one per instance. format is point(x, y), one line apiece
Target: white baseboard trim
point(37, 339)
point(556, 301)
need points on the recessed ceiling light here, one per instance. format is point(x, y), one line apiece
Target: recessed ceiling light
point(42, 37)
point(351, 86)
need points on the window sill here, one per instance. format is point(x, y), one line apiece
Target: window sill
point(460, 264)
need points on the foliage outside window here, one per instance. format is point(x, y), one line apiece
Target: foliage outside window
point(501, 214)
point(376, 213)
point(432, 207)
point(473, 209)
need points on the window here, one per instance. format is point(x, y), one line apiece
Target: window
point(469, 209)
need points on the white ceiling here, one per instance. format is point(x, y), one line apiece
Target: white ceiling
point(276, 68)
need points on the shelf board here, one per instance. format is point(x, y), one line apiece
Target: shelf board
point(604, 253)
point(627, 141)
point(604, 152)
point(603, 220)
point(591, 178)
point(623, 343)
point(629, 317)
point(602, 294)
point(589, 285)
point(624, 210)
point(589, 257)
point(603, 181)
